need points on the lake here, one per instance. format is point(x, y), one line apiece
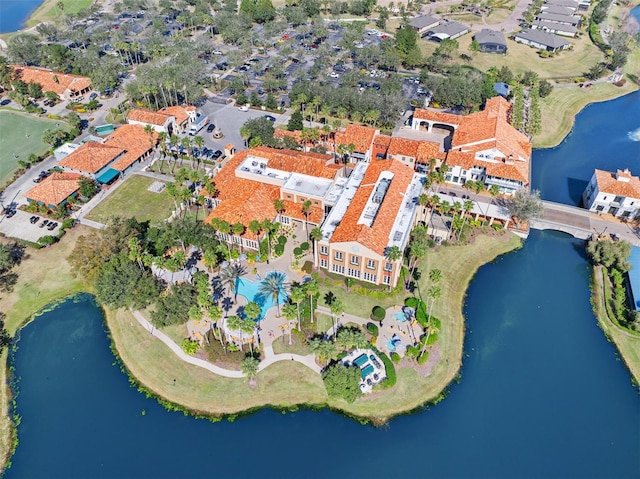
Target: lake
point(14, 13)
point(542, 394)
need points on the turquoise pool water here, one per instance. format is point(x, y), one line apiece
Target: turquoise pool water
point(251, 290)
point(400, 316)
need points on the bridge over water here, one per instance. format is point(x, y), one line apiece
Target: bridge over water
point(581, 223)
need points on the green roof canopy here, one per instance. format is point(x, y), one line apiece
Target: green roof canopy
point(108, 176)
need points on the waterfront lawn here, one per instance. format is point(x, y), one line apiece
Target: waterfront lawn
point(563, 104)
point(133, 199)
point(13, 141)
point(49, 10)
point(628, 344)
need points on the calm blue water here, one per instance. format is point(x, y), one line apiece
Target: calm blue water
point(635, 13)
point(251, 291)
point(13, 13)
point(601, 138)
point(542, 395)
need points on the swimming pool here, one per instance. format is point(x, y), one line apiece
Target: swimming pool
point(366, 371)
point(400, 316)
point(251, 291)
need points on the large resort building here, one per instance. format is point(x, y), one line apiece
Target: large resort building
point(368, 208)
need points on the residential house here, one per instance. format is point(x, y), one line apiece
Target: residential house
point(541, 40)
point(557, 28)
point(491, 41)
point(571, 4)
point(67, 86)
point(423, 24)
point(571, 20)
point(616, 194)
point(374, 212)
point(448, 30)
point(55, 190)
point(160, 122)
point(557, 9)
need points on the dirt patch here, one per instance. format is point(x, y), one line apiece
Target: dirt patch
point(426, 368)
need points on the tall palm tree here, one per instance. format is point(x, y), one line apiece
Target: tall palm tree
point(252, 310)
point(230, 276)
point(238, 230)
point(315, 235)
point(234, 323)
point(306, 210)
point(274, 285)
point(311, 289)
point(434, 293)
point(392, 254)
point(279, 205)
point(429, 330)
point(249, 367)
point(435, 275)
point(210, 259)
point(290, 312)
point(337, 308)
point(297, 295)
point(199, 142)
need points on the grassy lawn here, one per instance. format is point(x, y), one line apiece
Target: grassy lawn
point(561, 107)
point(43, 277)
point(133, 199)
point(50, 11)
point(298, 346)
point(628, 345)
point(13, 140)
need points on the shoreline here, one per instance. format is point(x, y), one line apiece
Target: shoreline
point(302, 388)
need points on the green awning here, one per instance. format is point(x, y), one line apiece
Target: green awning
point(108, 176)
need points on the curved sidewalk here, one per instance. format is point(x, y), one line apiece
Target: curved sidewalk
point(308, 361)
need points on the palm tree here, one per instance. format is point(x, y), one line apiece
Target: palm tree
point(311, 289)
point(435, 275)
point(234, 323)
point(245, 134)
point(225, 228)
point(238, 230)
point(392, 254)
point(315, 235)
point(337, 308)
point(199, 142)
point(279, 205)
point(290, 312)
point(230, 276)
point(429, 330)
point(301, 100)
point(325, 350)
point(296, 295)
point(252, 310)
point(306, 210)
point(255, 226)
point(274, 285)
point(434, 292)
point(249, 367)
point(210, 259)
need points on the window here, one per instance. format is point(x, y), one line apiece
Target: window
point(355, 260)
point(288, 197)
point(337, 268)
point(388, 266)
point(386, 279)
point(316, 203)
point(599, 208)
point(353, 273)
point(338, 255)
point(323, 263)
point(371, 264)
point(324, 250)
point(618, 199)
point(604, 198)
point(370, 277)
point(455, 179)
point(285, 220)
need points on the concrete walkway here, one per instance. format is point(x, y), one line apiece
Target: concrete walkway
point(270, 357)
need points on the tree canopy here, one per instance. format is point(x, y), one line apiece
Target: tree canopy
point(342, 382)
point(611, 254)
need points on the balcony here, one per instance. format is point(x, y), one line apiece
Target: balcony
point(492, 180)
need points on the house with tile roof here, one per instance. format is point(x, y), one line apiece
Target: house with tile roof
point(160, 122)
point(55, 190)
point(616, 194)
point(67, 86)
point(375, 211)
point(108, 159)
point(361, 137)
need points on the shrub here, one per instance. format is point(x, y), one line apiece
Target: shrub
point(411, 302)
point(190, 347)
point(390, 370)
point(378, 313)
point(372, 328)
point(278, 250)
point(282, 239)
point(297, 251)
point(412, 352)
point(395, 357)
point(304, 246)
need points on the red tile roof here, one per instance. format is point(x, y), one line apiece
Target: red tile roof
point(148, 116)
point(377, 236)
point(360, 136)
point(608, 182)
point(428, 150)
point(178, 112)
point(436, 115)
point(135, 141)
point(54, 189)
point(308, 163)
point(57, 82)
point(403, 147)
point(91, 157)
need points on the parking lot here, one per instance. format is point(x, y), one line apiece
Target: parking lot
point(19, 226)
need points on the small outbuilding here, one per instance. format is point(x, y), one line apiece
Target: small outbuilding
point(448, 30)
point(501, 89)
point(491, 41)
point(423, 24)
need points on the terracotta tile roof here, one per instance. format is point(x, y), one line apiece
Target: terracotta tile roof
point(375, 237)
point(134, 140)
point(308, 163)
point(243, 200)
point(509, 169)
point(148, 116)
point(91, 157)
point(403, 147)
point(360, 136)
point(436, 115)
point(178, 112)
point(47, 79)
point(56, 188)
point(280, 134)
point(381, 141)
point(608, 182)
point(428, 150)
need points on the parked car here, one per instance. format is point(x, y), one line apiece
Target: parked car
point(217, 52)
point(334, 75)
point(52, 225)
point(211, 127)
point(216, 154)
point(43, 224)
point(93, 96)
point(33, 220)
point(11, 213)
point(270, 117)
point(243, 108)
